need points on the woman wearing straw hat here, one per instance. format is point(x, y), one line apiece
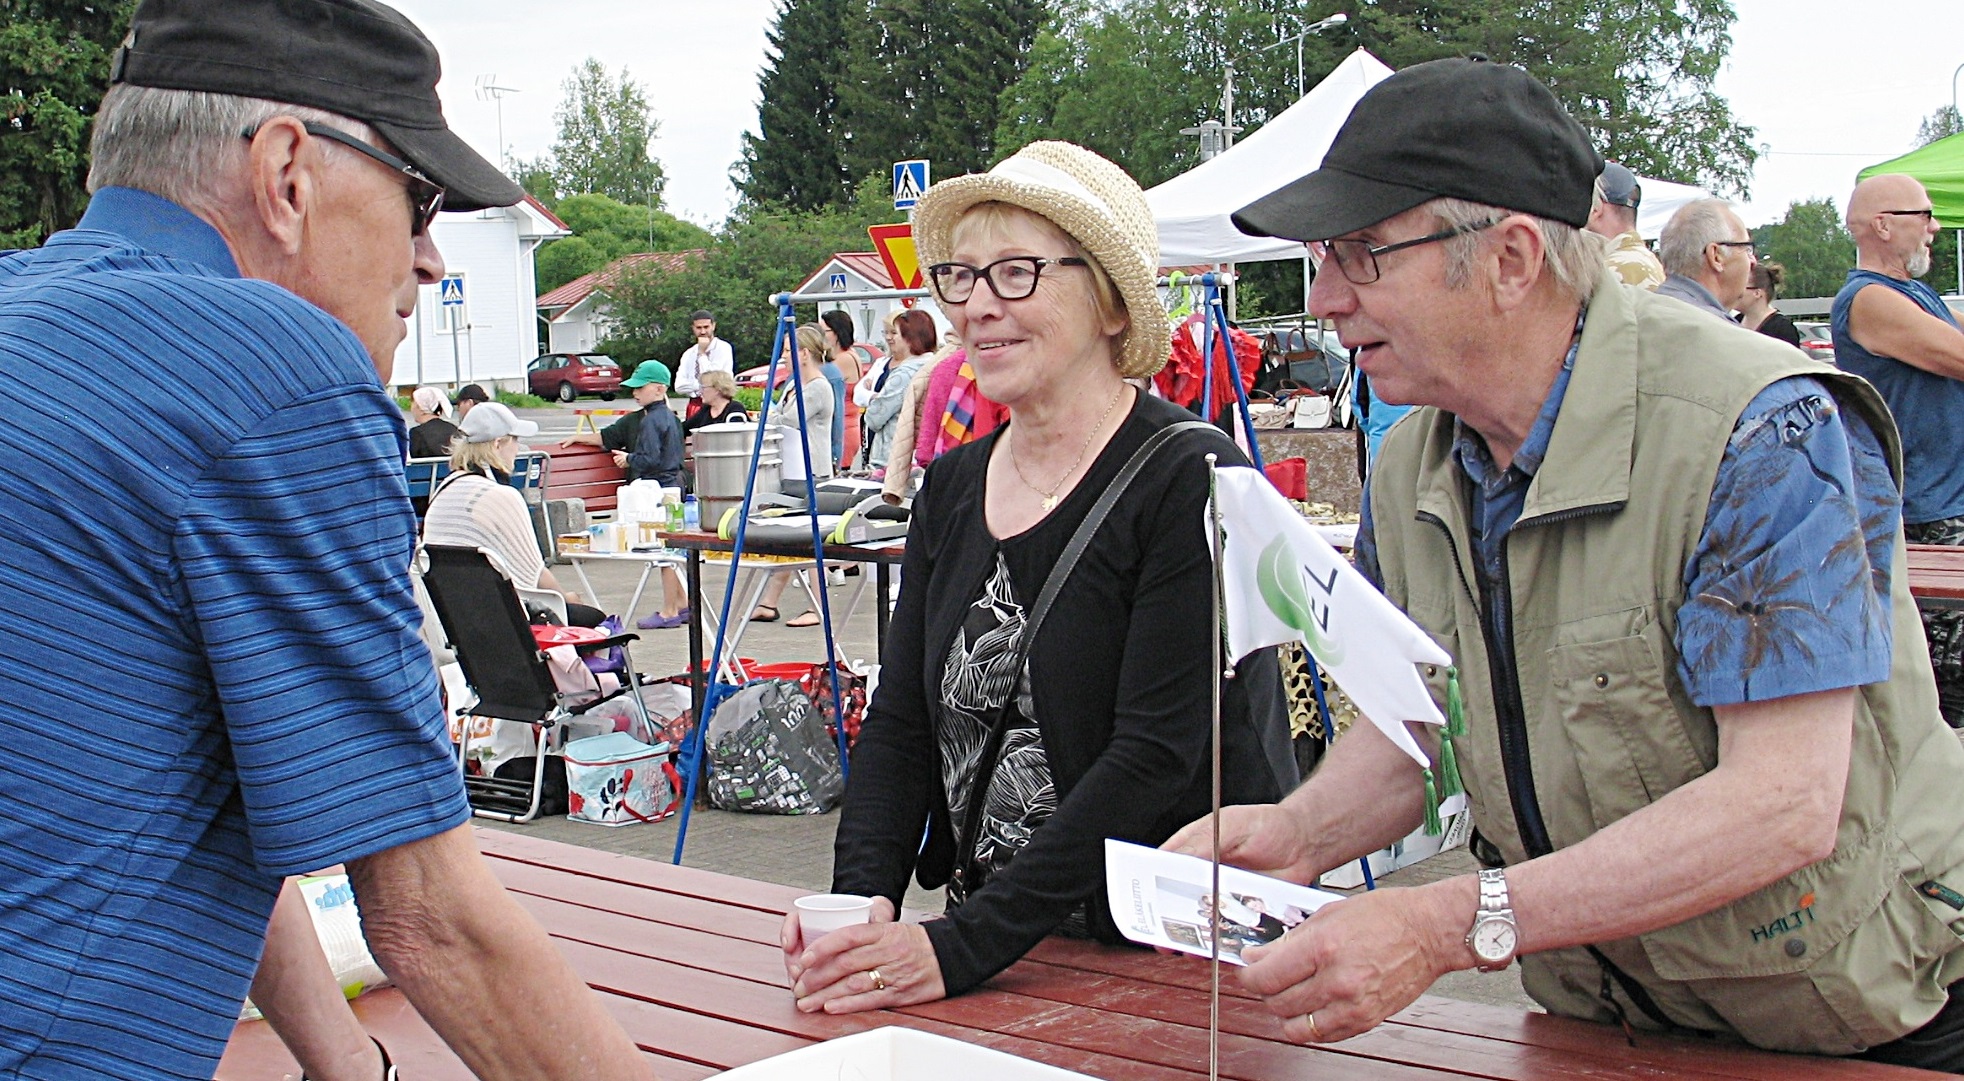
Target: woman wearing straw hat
point(1046, 267)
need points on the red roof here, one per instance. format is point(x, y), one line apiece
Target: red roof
point(868, 265)
point(584, 286)
point(543, 209)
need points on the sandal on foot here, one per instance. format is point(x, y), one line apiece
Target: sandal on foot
point(755, 618)
point(809, 619)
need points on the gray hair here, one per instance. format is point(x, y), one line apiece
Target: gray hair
point(1574, 257)
point(1695, 227)
point(182, 144)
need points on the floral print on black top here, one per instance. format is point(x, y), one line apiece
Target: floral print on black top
point(975, 682)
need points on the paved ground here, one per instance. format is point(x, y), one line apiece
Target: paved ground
point(797, 851)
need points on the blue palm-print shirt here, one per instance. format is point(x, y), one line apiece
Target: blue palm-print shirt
point(1788, 590)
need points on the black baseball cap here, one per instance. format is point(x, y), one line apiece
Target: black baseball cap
point(358, 58)
point(1463, 129)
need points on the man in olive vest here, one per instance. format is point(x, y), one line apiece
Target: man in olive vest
point(1690, 702)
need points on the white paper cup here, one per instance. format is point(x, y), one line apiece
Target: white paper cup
point(822, 913)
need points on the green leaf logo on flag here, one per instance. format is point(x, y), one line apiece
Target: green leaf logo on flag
point(1279, 575)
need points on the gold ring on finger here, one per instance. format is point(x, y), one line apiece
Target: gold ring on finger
point(1314, 1036)
point(879, 981)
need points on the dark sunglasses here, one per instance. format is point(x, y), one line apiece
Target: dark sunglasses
point(425, 195)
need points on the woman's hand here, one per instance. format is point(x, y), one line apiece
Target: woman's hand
point(868, 966)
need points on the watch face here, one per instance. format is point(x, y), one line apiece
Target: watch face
point(1493, 940)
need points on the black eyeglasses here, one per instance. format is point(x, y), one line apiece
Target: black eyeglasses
point(425, 195)
point(1010, 279)
point(1749, 245)
point(1927, 213)
point(1358, 259)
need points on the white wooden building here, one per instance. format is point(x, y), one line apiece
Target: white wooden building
point(491, 336)
point(576, 319)
point(859, 272)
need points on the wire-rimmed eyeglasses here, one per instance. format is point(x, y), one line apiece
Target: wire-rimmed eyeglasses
point(1358, 259)
point(425, 195)
point(1010, 279)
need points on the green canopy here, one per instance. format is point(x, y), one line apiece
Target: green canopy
point(1940, 167)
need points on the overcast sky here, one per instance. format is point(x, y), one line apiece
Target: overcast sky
point(1830, 86)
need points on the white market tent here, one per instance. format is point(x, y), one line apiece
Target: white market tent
point(1192, 209)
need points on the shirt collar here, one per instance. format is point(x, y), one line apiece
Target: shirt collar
point(1698, 294)
point(1470, 450)
point(156, 224)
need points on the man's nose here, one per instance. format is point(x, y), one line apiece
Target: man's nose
point(1330, 293)
point(427, 260)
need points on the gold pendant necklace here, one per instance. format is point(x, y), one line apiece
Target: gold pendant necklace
point(1050, 497)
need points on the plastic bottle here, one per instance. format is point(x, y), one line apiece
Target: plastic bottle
point(691, 514)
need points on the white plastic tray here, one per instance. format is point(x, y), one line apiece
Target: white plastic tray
point(897, 1054)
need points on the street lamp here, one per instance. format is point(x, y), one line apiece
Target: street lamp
point(489, 90)
point(1227, 91)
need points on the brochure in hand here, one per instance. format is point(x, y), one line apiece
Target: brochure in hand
point(1163, 899)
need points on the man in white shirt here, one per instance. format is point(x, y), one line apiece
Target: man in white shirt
point(709, 354)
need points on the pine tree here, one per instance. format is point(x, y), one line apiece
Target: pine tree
point(929, 80)
point(795, 159)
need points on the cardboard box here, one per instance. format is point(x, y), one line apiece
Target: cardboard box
point(898, 1054)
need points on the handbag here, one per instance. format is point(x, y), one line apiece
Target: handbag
point(1053, 583)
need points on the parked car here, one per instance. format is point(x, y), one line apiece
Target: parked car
point(566, 376)
point(1818, 340)
point(1294, 354)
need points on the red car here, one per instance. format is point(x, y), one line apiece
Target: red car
point(566, 376)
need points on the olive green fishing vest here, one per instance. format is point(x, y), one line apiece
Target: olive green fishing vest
point(1836, 957)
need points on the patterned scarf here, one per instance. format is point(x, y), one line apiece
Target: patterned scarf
point(958, 420)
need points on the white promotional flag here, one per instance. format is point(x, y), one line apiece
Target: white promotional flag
point(1283, 582)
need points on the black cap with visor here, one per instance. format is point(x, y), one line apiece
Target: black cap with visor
point(357, 58)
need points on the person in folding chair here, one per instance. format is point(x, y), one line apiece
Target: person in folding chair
point(476, 506)
point(1018, 732)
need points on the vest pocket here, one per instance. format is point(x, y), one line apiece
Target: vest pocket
point(1629, 743)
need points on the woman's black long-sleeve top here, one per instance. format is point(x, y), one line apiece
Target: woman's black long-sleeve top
point(1121, 680)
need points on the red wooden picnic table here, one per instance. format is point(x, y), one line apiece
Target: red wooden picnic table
point(688, 961)
point(1936, 576)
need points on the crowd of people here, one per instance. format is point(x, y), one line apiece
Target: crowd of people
point(1693, 695)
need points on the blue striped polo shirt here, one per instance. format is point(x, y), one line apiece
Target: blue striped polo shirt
point(210, 675)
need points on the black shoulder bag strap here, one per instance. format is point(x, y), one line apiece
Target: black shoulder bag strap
point(1052, 584)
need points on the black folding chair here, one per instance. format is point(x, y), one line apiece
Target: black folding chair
point(490, 634)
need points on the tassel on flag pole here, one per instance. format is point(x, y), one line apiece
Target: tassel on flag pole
point(1283, 582)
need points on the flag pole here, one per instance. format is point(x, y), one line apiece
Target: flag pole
point(1221, 672)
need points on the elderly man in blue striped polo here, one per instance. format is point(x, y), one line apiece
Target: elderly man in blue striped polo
point(210, 676)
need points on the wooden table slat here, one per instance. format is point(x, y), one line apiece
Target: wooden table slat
point(687, 960)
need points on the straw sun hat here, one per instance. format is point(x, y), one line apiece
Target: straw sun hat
point(1087, 197)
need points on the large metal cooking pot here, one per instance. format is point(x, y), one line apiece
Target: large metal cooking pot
point(723, 464)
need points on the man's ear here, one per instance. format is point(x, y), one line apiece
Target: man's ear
point(1519, 254)
point(281, 166)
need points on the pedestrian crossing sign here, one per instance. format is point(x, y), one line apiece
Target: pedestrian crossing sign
point(909, 181)
point(452, 291)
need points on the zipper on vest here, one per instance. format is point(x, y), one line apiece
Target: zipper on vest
point(1497, 629)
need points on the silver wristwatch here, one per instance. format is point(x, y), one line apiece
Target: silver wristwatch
point(1494, 936)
